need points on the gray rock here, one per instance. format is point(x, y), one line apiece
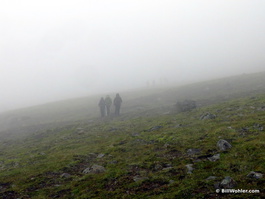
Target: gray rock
point(113, 162)
point(258, 127)
point(167, 168)
point(223, 145)
point(158, 167)
point(135, 134)
point(228, 183)
point(94, 169)
point(113, 129)
point(178, 126)
point(190, 168)
point(101, 155)
point(98, 169)
point(155, 128)
point(87, 170)
point(214, 157)
point(211, 178)
point(207, 116)
point(193, 151)
point(139, 178)
point(171, 181)
point(261, 108)
point(255, 175)
point(65, 175)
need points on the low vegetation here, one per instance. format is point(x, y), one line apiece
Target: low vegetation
point(146, 153)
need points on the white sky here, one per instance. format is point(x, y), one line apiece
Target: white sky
point(56, 49)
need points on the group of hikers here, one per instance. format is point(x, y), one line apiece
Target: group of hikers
point(105, 105)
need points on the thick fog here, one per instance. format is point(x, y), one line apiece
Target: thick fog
point(57, 49)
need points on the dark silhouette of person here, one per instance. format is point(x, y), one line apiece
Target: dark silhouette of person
point(101, 105)
point(117, 103)
point(108, 102)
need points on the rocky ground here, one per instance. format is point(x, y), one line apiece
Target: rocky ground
point(149, 152)
point(190, 155)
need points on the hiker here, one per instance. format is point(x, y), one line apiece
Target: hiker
point(108, 102)
point(117, 103)
point(101, 105)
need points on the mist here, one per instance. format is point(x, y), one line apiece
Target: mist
point(54, 50)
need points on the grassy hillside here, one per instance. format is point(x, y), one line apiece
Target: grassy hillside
point(205, 93)
point(148, 152)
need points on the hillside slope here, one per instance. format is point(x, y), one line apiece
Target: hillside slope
point(148, 152)
point(205, 93)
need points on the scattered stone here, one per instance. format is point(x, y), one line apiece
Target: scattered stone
point(166, 145)
point(190, 168)
point(113, 162)
point(94, 169)
point(255, 175)
point(87, 170)
point(155, 128)
point(214, 157)
point(139, 178)
point(167, 168)
point(258, 127)
point(158, 167)
point(101, 155)
point(193, 151)
point(207, 116)
point(80, 131)
point(113, 129)
point(178, 125)
point(261, 108)
point(211, 178)
point(186, 105)
point(228, 183)
point(65, 175)
point(223, 145)
point(135, 134)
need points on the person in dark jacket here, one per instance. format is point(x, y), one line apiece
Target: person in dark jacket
point(108, 102)
point(102, 105)
point(117, 103)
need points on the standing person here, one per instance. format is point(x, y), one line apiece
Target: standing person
point(117, 103)
point(108, 102)
point(101, 105)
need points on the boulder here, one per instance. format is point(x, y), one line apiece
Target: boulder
point(154, 128)
point(223, 145)
point(190, 168)
point(65, 175)
point(193, 151)
point(206, 116)
point(255, 175)
point(101, 155)
point(227, 183)
point(211, 178)
point(139, 178)
point(94, 169)
point(214, 157)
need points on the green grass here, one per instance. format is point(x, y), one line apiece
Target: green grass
point(31, 165)
point(27, 162)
